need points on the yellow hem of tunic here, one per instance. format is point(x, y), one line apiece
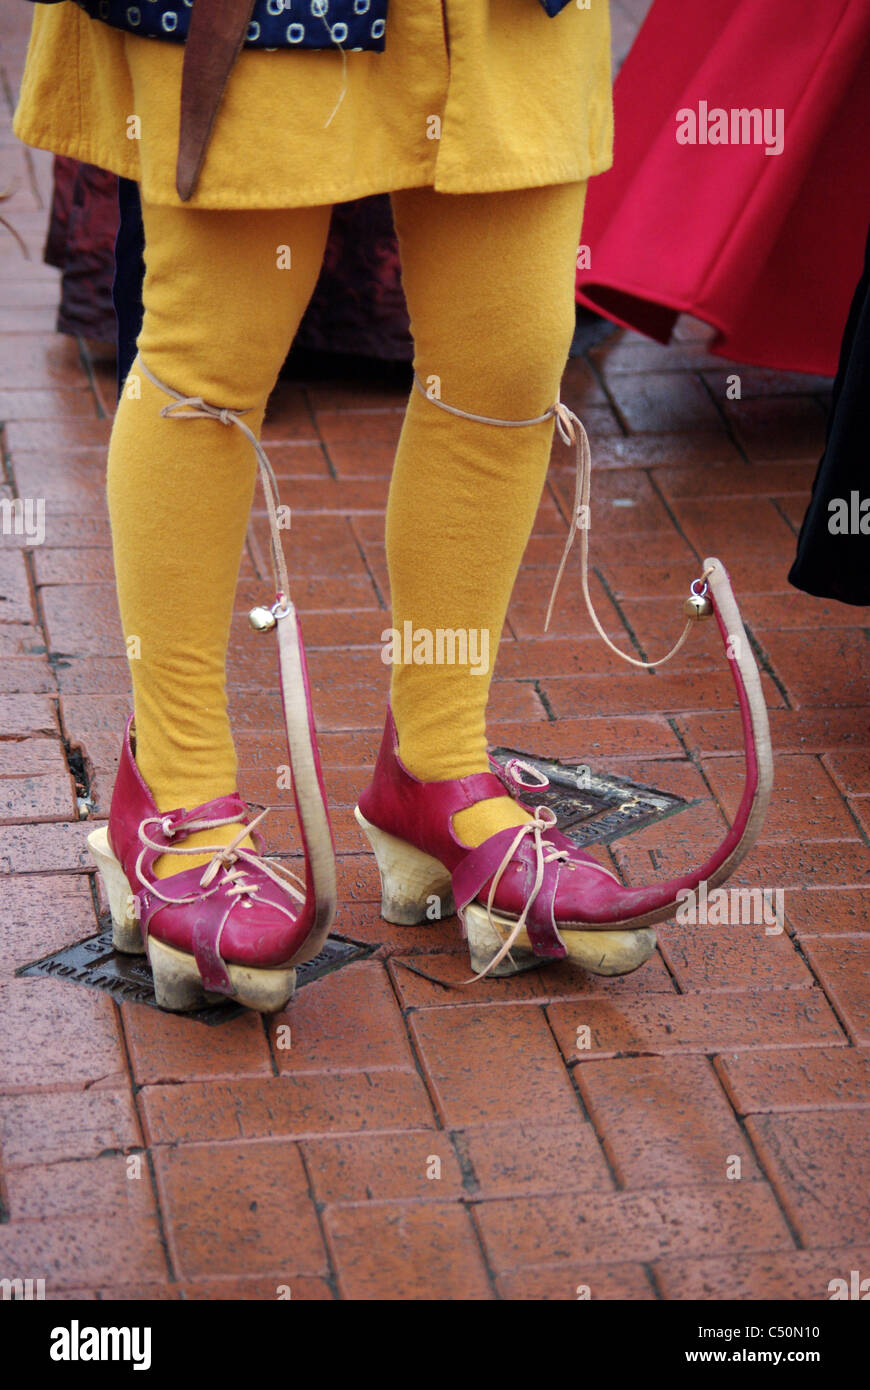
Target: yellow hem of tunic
point(503, 122)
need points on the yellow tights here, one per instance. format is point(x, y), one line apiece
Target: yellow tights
point(489, 281)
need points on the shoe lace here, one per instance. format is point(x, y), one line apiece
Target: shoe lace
point(228, 868)
point(545, 853)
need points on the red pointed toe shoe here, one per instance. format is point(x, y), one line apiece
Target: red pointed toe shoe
point(235, 927)
point(238, 926)
point(529, 895)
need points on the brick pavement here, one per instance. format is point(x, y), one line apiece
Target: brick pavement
point(422, 1139)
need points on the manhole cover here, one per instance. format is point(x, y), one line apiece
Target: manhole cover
point(96, 963)
point(593, 807)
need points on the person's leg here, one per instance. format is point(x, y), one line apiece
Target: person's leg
point(223, 296)
point(489, 280)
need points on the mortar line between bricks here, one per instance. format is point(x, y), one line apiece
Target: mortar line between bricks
point(84, 358)
point(774, 501)
point(333, 472)
point(134, 1092)
point(720, 411)
point(319, 1208)
point(161, 1225)
point(765, 664)
point(740, 1121)
point(404, 1015)
point(622, 617)
point(368, 569)
point(841, 796)
point(468, 1204)
point(605, 387)
point(584, 1111)
point(650, 473)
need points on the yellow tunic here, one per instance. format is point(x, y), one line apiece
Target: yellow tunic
point(512, 99)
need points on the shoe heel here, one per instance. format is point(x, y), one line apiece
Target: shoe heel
point(178, 985)
point(598, 952)
point(126, 933)
point(410, 879)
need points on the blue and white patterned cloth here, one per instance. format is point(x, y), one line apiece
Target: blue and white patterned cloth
point(353, 24)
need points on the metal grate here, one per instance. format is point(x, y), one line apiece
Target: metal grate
point(593, 807)
point(96, 963)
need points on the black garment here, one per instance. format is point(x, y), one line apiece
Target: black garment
point(833, 564)
point(357, 314)
point(129, 276)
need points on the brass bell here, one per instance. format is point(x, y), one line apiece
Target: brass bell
point(697, 606)
point(262, 619)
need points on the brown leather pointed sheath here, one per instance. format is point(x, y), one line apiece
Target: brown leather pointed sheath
point(214, 40)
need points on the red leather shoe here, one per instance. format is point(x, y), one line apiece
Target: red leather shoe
point(239, 925)
point(529, 895)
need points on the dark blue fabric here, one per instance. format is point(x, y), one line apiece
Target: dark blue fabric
point(129, 276)
point(355, 24)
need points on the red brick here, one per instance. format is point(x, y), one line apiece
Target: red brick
point(168, 1047)
point(630, 352)
point(303, 1289)
point(14, 586)
point(742, 480)
point(348, 1021)
point(42, 359)
point(46, 1127)
point(562, 981)
point(527, 1080)
point(444, 981)
point(49, 436)
point(860, 808)
point(664, 1122)
point(658, 402)
point(425, 1251)
point(842, 965)
point(641, 1226)
point(383, 1167)
point(790, 866)
point(779, 427)
point(41, 913)
point(762, 612)
point(363, 922)
point(748, 528)
point(26, 675)
point(311, 1104)
point(570, 695)
point(584, 739)
point(850, 771)
point(45, 847)
point(56, 1036)
point(819, 1165)
point(23, 715)
point(524, 1159)
point(93, 1252)
point(829, 667)
point(656, 1024)
point(805, 804)
point(828, 912)
point(825, 1078)
point(37, 799)
point(239, 1209)
point(791, 731)
point(652, 450)
point(63, 565)
point(87, 1187)
point(780, 1276)
point(621, 1282)
point(732, 957)
point(36, 405)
